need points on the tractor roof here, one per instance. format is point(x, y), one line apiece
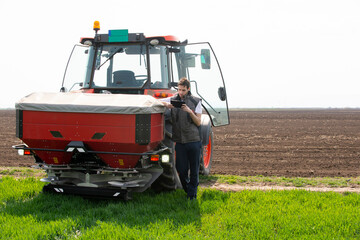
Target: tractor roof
point(123, 36)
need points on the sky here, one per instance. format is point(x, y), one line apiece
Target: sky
point(273, 53)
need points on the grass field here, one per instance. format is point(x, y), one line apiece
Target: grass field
point(341, 182)
point(27, 213)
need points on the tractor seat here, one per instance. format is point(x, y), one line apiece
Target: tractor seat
point(124, 78)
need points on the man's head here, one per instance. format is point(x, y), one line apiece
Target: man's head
point(183, 87)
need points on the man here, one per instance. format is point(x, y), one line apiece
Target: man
point(185, 133)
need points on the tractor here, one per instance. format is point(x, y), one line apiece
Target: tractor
point(106, 132)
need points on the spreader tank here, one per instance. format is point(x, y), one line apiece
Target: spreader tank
point(59, 125)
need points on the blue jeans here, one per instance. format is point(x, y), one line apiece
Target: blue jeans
point(188, 157)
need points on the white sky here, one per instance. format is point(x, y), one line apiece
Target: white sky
point(273, 53)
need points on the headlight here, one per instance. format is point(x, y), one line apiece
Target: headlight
point(165, 158)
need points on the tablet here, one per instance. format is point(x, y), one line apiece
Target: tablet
point(177, 103)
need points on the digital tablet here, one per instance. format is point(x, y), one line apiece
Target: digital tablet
point(177, 103)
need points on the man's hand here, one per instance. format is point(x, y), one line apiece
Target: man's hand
point(168, 105)
point(185, 108)
point(196, 117)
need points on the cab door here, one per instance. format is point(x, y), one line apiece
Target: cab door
point(199, 64)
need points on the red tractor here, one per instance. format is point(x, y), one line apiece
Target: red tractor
point(106, 133)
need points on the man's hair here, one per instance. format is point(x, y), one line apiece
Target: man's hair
point(184, 82)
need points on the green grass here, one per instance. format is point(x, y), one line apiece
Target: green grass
point(283, 181)
point(27, 213)
point(21, 172)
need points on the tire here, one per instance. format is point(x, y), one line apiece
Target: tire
point(169, 180)
point(206, 155)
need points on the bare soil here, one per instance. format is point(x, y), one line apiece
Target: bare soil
point(289, 143)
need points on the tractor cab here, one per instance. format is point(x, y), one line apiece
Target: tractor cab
point(130, 63)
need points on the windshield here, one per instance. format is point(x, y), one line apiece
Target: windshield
point(116, 66)
point(125, 66)
point(120, 66)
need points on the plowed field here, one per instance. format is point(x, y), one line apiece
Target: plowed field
point(290, 143)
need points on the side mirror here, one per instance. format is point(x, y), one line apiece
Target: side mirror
point(205, 59)
point(222, 93)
